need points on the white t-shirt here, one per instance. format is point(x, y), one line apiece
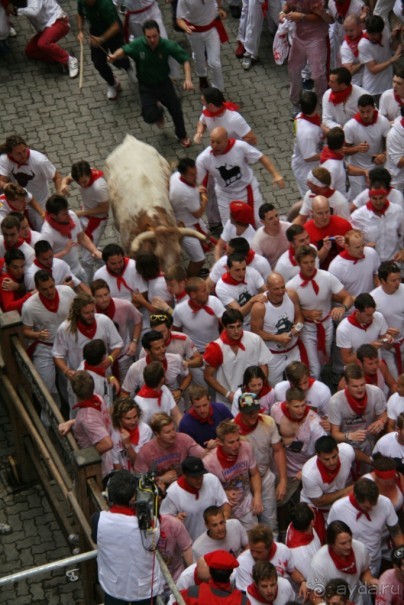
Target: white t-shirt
point(394, 148)
point(176, 369)
point(59, 241)
point(199, 325)
point(185, 199)
point(37, 317)
point(323, 569)
point(337, 201)
point(60, 272)
point(307, 144)
point(357, 276)
point(271, 246)
point(351, 337)
point(259, 263)
point(395, 406)
point(234, 542)
point(229, 231)
point(232, 121)
point(313, 485)
point(388, 445)
point(283, 560)
point(150, 405)
point(392, 307)
point(388, 106)
point(242, 292)
point(285, 593)
point(133, 282)
point(376, 84)
point(368, 532)
point(374, 135)
point(34, 175)
point(178, 500)
point(328, 285)
point(386, 231)
point(338, 115)
point(28, 252)
point(348, 57)
point(395, 197)
point(317, 397)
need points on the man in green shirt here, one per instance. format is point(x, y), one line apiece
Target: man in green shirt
point(106, 35)
point(150, 54)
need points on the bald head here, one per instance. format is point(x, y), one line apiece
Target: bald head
point(276, 288)
point(352, 26)
point(320, 203)
point(219, 139)
point(321, 211)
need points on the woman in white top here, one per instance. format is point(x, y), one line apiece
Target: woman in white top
point(254, 381)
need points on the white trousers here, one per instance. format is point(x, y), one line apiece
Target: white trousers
point(310, 341)
point(278, 364)
point(206, 53)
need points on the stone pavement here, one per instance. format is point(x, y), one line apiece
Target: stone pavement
point(49, 111)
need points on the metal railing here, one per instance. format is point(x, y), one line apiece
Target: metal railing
point(71, 477)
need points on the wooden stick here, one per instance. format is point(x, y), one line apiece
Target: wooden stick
point(81, 64)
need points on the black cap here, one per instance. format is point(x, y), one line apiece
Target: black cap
point(193, 467)
point(248, 402)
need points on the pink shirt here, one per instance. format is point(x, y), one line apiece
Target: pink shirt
point(236, 478)
point(174, 541)
point(90, 428)
point(152, 457)
point(391, 590)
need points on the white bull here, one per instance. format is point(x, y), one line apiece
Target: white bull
point(138, 179)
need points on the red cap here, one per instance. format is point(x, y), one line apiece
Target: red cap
point(221, 559)
point(241, 212)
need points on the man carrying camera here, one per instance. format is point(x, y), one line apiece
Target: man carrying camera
point(127, 569)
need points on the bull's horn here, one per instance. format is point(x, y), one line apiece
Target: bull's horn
point(187, 232)
point(141, 238)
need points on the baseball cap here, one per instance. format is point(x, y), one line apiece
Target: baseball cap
point(248, 402)
point(193, 467)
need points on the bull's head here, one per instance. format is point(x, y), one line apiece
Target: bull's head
point(23, 178)
point(164, 242)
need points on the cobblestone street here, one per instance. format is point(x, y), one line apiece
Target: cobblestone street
point(44, 106)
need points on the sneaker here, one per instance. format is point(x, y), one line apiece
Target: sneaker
point(247, 62)
point(132, 74)
point(12, 33)
point(113, 91)
point(5, 529)
point(72, 66)
point(240, 50)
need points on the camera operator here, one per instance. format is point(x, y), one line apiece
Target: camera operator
point(128, 571)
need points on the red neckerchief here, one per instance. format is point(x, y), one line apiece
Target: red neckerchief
point(50, 305)
point(316, 120)
point(185, 182)
point(356, 505)
point(87, 330)
point(195, 308)
point(100, 371)
point(10, 157)
point(353, 44)
point(62, 228)
point(311, 382)
point(255, 593)
point(330, 154)
point(396, 97)
point(358, 118)
point(365, 35)
point(216, 114)
point(120, 280)
point(272, 551)
point(382, 212)
point(402, 122)
point(208, 420)
point(286, 412)
point(230, 145)
point(149, 360)
point(15, 246)
point(149, 393)
point(345, 254)
point(93, 402)
point(28, 239)
point(357, 405)
point(228, 279)
point(342, 7)
point(174, 337)
point(328, 476)
point(109, 311)
point(291, 253)
point(266, 388)
point(246, 429)
point(371, 379)
point(308, 280)
point(224, 460)
point(232, 343)
point(296, 538)
point(10, 203)
point(328, 192)
point(95, 175)
point(122, 510)
point(41, 266)
point(344, 564)
point(182, 482)
point(181, 295)
point(250, 256)
point(353, 320)
point(134, 436)
point(340, 96)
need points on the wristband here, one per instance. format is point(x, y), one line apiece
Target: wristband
point(134, 340)
point(347, 437)
point(111, 358)
point(227, 394)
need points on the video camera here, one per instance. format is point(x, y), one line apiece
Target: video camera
point(146, 500)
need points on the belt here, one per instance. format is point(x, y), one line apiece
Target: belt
point(284, 350)
point(320, 333)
